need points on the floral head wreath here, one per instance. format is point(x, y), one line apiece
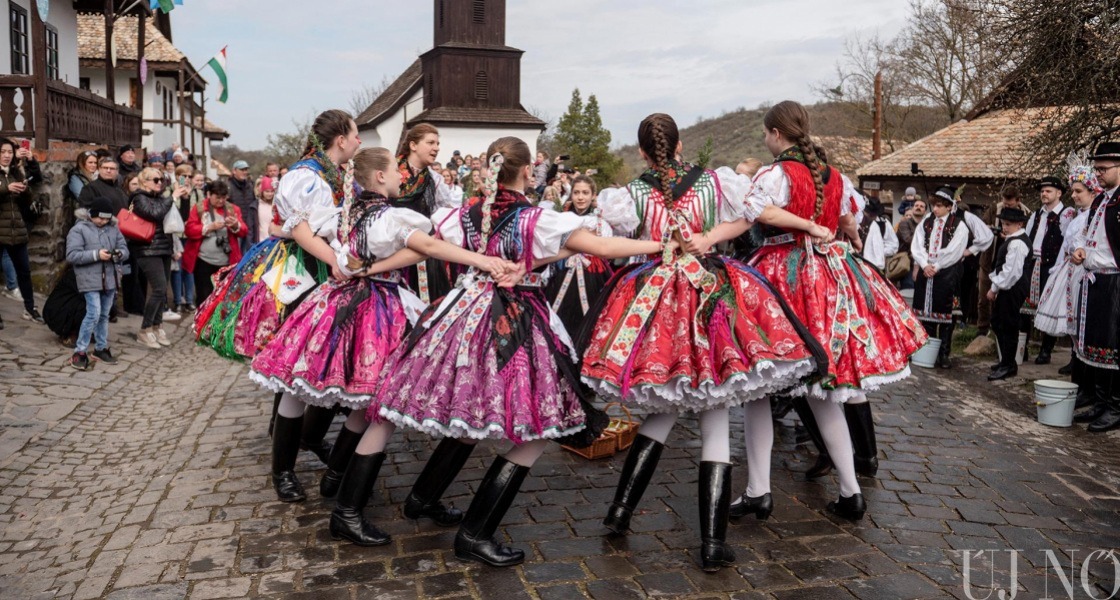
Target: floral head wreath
point(1081, 171)
point(490, 186)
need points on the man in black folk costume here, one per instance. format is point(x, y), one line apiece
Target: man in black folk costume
point(940, 241)
point(1045, 232)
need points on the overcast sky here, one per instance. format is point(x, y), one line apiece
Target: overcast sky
point(690, 59)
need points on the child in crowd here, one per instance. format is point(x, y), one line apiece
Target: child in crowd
point(95, 247)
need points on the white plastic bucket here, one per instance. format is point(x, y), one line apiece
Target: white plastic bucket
point(926, 356)
point(1055, 401)
point(1019, 348)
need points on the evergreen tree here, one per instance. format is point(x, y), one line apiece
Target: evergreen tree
point(581, 135)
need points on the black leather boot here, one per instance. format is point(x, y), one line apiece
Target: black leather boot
point(1110, 418)
point(1045, 350)
point(862, 428)
point(1102, 395)
point(823, 466)
point(316, 422)
point(442, 467)
point(640, 464)
point(475, 540)
point(275, 408)
point(760, 507)
point(285, 448)
point(347, 522)
point(851, 508)
point(946, 331)
point(715, 505)
point(343, 449)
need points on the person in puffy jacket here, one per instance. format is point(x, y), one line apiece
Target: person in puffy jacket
point(19, 171)
point(153, 259)
point(95, 248)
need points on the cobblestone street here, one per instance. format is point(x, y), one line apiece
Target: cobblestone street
point(149, 480)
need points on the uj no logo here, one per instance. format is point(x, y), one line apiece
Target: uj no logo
point(1057, 581)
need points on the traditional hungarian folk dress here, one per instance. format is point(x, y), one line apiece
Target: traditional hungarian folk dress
point(252, 298)
point(867, 330)
point(1055, 306)
point(425, 192)
point(488, 362)
point(939, 241)
point(1098, 307)
point(333, 347)
point(575, 284)
point(1045, 233)
point(684, 333)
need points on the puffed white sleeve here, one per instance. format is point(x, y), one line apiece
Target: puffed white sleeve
point(890, 240)
point(448, 225)
point(952, 254)
point(771, 188)
point(553, 229)
point(1066, 218)
point(854, 202)
point(618, 208)
point(389, 233)
point(445, 197)
point(982, 236)
point(323, 221)
point(301, 191)
point(734, 189)
point(918, 245)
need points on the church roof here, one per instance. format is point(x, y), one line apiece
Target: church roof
point(478, 116)
point(392, 98)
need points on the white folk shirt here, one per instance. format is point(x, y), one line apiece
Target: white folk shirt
point(1012, 270)
point(1065, 216)
point(1098, 252)
point(982, 236)
point(940, 258)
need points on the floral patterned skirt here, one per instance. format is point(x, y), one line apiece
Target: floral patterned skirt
point(485, 363)
point(669, 338)
point(1098, 321)
point(333, 347)
point(1055, 306)
point(864, 324)
point(242, 313)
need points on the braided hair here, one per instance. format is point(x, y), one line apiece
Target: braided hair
point(792, 121)
point(328, 126)
point(658, 138)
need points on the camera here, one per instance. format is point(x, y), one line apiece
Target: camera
point(116, 254)
point(223, 243)
point(564, 157)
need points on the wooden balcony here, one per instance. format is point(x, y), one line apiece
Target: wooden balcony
point(63, 113)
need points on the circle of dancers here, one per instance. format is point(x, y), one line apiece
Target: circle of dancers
point(492, 318)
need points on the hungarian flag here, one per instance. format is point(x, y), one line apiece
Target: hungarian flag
point(218, 63)
point(165, 5)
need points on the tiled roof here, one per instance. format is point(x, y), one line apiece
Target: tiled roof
point(397, 93)
point(987, 147)
point(846, 153)
point(91, 40)
point(480, 116)
point(211, 129)
point(219, 168)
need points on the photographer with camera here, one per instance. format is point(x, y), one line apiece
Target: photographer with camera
point(95, 248)
point(213, 233)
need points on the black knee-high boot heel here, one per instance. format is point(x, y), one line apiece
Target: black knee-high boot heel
point(823, 466)
point(347, 522)
point(640, 464)
point(285, 448)
point(440, 470)
point(715, 504)
point(316, 422)
point(341, 453)
point(862, 429)
point(475, 540)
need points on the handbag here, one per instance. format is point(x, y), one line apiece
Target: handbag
point(135, 228)
point(173, 222)
point(898, 266)
point(288, 280)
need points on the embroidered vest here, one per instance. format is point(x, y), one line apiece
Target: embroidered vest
point(1051, 240)
point(1024, 284)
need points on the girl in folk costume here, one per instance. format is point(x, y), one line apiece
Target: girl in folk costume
point(332, 348)
point(1045, 232)
point(938, 248)
point(577, 282)
point(1055, 314)
point(698, 332)
point(253, 298)
point(489, 363)
point(867, 331)
point(424, 191)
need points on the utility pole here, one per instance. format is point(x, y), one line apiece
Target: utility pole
point(877, 126)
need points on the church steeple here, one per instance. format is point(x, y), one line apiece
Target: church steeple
point(470, 22)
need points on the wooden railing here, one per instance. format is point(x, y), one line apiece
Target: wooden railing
point(72, 114)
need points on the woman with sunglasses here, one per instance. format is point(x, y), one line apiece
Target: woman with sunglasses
point(153, 259)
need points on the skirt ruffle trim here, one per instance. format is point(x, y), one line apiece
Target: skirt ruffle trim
point(309, 394)
point(678, 394)
point(844, 393)
point(457, 428)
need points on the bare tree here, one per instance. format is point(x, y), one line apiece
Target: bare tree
point(361, 98)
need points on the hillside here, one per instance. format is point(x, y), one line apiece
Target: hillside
point(738, 134)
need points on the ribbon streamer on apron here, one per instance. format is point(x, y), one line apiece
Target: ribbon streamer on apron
point(576, 265)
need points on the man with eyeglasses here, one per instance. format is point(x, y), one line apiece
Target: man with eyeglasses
point(1098, 317)
point(105, 186)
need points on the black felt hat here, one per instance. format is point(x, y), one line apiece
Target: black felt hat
point(1012, 215)
point(1054, 182)
point(1107, 151)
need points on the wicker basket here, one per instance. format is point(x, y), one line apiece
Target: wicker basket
point(618, 436)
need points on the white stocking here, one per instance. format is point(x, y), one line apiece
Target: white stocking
point(290, 406)
point(758, 424)
point(715, 436)
point(657, 427)
point(376, 436)
point(526, 454)
point(834, 430)
point(860, 398)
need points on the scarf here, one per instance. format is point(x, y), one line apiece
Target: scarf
point(411, 183)
point(330, 173)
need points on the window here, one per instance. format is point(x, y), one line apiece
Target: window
point(83, 83)
point(428, 89)
point(481, 86)
point(479, 12)
point(18, 35)
point(441, 14)
point(133, 92)
point(52, 53)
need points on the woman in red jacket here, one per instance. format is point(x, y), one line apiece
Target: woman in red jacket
point(210, 231)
